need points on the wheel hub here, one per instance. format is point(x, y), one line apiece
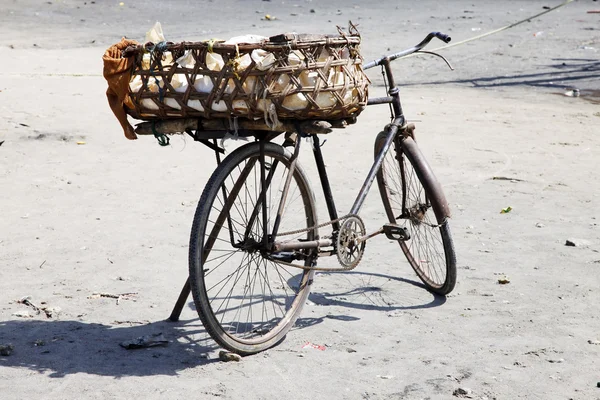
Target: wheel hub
point(249, 245)
point(417, 213)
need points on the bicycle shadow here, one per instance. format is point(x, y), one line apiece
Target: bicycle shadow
point(59, 348)
point(363, 292)
point(364, 297)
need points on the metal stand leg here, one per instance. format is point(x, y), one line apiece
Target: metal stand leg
point(185, 291)
point(183, 296)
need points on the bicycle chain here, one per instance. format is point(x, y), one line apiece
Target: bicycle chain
point(323, 269)
point(315, 226)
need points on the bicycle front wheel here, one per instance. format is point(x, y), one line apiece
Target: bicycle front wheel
point(408, 190)
point(247, 301)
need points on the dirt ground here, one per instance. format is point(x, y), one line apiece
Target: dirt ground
point(113, 216)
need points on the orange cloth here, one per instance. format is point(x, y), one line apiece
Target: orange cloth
point(117, 72)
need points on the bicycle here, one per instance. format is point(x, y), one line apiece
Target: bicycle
point(255, 239)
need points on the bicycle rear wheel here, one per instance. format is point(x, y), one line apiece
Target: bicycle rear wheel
point(247, 302)
point(413, 200)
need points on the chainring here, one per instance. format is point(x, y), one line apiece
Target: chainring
point(349, 250)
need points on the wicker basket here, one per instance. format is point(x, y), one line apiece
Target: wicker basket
point(288, 76)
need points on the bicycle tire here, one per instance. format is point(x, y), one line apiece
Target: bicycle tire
point(222, 301)
point(424, 213)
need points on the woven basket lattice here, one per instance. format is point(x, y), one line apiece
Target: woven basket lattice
point(284, 77)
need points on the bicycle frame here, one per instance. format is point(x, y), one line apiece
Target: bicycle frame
point(397, 125)
point(392, 133)
point(394, 128)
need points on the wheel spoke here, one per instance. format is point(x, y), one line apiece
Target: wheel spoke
point(248, 300)
point(406, 200)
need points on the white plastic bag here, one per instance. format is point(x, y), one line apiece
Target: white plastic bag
point(155, 35)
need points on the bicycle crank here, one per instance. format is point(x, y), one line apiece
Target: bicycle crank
point(350, 248)
point(349, 243)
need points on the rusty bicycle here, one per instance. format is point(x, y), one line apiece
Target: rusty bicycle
point(255, 239)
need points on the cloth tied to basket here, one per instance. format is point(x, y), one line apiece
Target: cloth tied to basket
point(117, 72)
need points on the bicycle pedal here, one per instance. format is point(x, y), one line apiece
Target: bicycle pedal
point(395, 232)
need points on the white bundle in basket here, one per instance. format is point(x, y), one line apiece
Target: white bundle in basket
point(295, 98)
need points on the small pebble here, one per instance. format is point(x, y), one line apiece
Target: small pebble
point(461, 392)
point(228, 356)
point(6, 349)
point(52, 312)
point(22, 314)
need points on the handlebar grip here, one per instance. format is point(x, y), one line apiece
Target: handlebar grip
point(444, 38)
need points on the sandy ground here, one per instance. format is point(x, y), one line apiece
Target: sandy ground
point(114, 216)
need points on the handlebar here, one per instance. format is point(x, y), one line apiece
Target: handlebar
point(444, 38)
